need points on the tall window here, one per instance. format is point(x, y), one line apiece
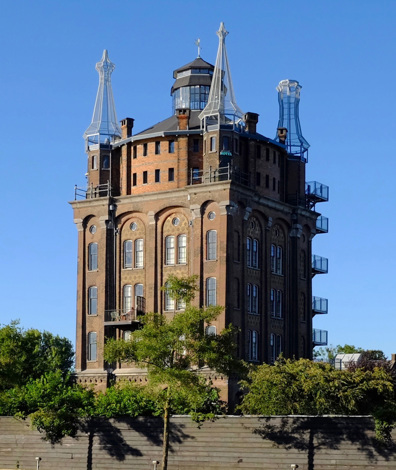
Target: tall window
point(255, 253)
point(276, 303)
point(93, 300)
point(157, 177)
point(210, 291)
point(213, 144)
point(139, 299)
point(94, 162)
point(92, 257)
point(127, 298)
point(171, 174)
point(211, 245)
point(248, 251)
point(248, 297)
point(170, 250)
point(92, 347)
point(139, 253)
point(144, 177)
point(182, 249)
point(144, 150)
point(237, 246)
point(275, 347)
point(171, 146)
point(252, 345)
point(169, 302)
point(195, 145)
point(273, 258)
point(279, 260)
point(157, 147)
point(128, 254)
point(254, 308)
point(106, 162)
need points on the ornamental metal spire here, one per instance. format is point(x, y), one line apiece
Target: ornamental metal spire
point(221, 102)
point(104, 125)
point(289, 101)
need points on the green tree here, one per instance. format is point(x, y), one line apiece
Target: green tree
point(28, 354)
point(173, 351)
point(329, 353)
point(316, 388)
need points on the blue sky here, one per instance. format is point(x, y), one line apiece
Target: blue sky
point(342, 53)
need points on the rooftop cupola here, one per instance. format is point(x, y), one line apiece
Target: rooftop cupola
point(222, 107)
point(104, 127)
point(191, 88)
point(289, 101)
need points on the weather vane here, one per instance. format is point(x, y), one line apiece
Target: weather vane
point(198, 44)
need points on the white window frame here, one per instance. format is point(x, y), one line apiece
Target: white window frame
point(170, 250)
point(92, 300)
point(93, 257)
point(128, 254)
point(211, 245)
point(127, 298)
point(139, 253)
point(211, 291)
point(92, 350)
point(182, 249)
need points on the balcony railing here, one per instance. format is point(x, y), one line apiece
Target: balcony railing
point(320, 265)
point(322, 224)
point(92, 192)
point(213, 175)
point(119, 317)
point(320, 305)
point(317, 192)
point(319, 337)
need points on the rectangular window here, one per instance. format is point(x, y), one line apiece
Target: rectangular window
point(196, 145)
point(170, 250)
point(92, 257)
point(171, 174)
point(127, 298)
point(254, 308)
point(93, 300)
point(92, 346)
point(171, 146)
point(273, 302)
point(157, 147)
point(210, 291)
point(258, 179)
point(145, 150)
point(279, 260)
point(267, 181)
point(255, 253)
point(213, 144)
point(182, 249)
point(157, 176)
point(267, 154)
point(249, 298)
point(134, 152)
point(144, 177)
point(169, 302)
point(279, 299)
point(211, 245)
point(254, 344)
point(127, 254)
point(226, 143)
point(274, 157)
point(134, 179)
point(139, 253)
point(248, 252)
point(94, 162)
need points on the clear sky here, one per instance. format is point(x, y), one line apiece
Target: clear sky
point(341, 52)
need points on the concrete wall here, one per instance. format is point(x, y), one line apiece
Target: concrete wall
point(232, 442)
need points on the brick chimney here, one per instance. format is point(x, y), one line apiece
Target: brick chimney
point(251, 120)
point(183, 116)
point(126, 127)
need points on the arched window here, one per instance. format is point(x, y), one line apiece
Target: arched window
point(93, 300)
point(169, 302)
point(128, 254)
point(92, 346)
point(92, 257)
point(170, 250)
point(182, 249)
point(139, 253)
point(127, 298)
point(210, 291)
point(211, 245)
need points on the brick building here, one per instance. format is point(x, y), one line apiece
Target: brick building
point(201, 192)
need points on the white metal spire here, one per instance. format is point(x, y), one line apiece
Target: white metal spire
point(104, 123)
point(221, 101)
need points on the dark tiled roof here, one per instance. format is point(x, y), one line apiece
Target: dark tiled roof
point(171, 124)
point(198, 63)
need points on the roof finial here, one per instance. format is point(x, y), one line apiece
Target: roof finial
point(198, 44)
point(104, 123)
point(221, 102)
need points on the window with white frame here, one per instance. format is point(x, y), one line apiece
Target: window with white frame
point(213, 144)
point(127, 298)
point(139, 258)
point(93, 300)
point(128, 253)
point(169, 302)
point(92, 346)
point(182, 249)
point(210, 291)
point(211, 245)
point(92, 257)
point(170, 250)
point(210, 330)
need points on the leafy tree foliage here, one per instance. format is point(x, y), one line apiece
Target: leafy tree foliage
point(174, 350)
point(316, 388)
point(29, 354)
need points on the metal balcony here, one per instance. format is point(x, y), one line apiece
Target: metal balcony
point(118, 317)
point(319, 337)
point(322, 224)
point(315, 192)
point(320, 306)
point(320, 265)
